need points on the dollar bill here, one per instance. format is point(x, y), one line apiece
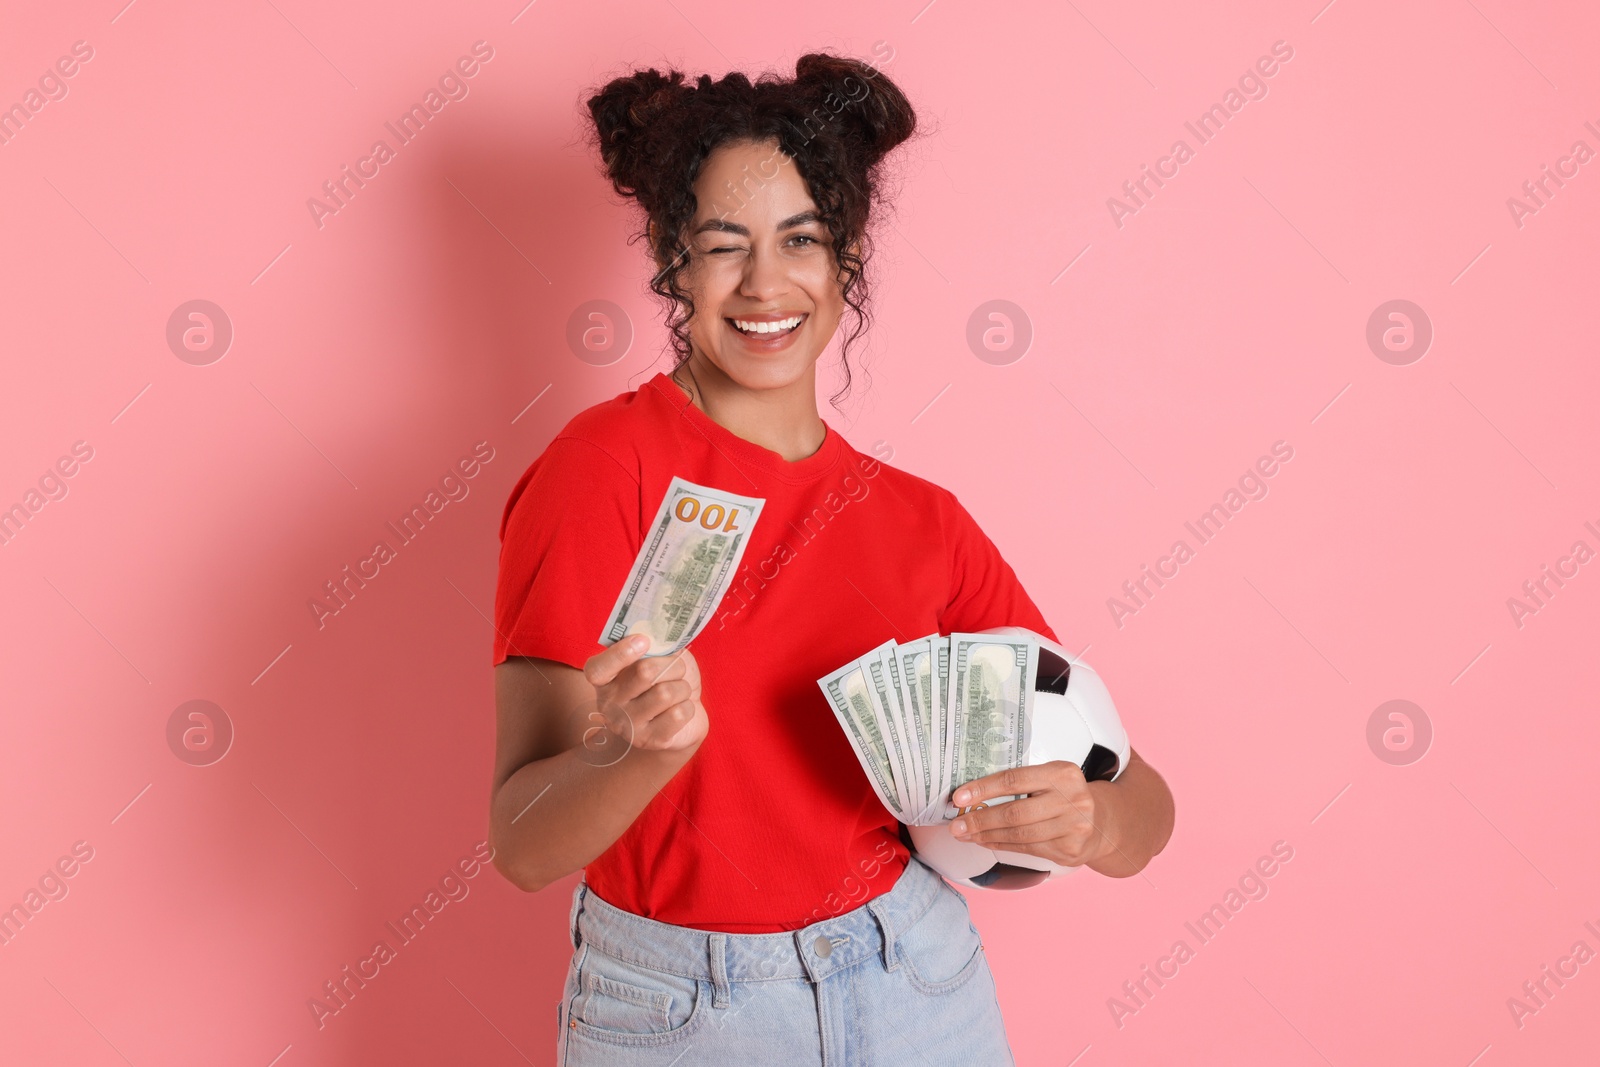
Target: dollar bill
point(946, 724)
point(849, 693)
point(920, 786)
point(916, 678)
point(991, 701)
point(895, 735)
point(689, 557)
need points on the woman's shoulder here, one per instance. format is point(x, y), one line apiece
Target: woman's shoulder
point(875, 466)
point(599, 451)
point(618, 433)
point(619, 424)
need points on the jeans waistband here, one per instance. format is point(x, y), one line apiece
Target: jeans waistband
point(812, 952)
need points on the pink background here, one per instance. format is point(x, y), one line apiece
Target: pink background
point(1228, 313)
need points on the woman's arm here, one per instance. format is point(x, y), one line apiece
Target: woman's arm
point(1111, 827)
point(578, 754)
point(1137, 818)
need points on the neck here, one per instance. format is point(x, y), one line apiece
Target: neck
point(783, 419)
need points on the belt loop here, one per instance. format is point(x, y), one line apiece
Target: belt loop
point(879, 912)
point(719, 970)
point(572, 916)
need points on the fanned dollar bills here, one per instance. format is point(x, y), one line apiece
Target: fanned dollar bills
point(935, 713)
point(684, 567)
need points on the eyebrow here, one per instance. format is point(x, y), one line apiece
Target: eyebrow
point(724, 226)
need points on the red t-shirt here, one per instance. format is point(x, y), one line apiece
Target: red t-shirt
point(772, 824)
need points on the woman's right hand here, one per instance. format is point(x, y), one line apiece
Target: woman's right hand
point(649, 703)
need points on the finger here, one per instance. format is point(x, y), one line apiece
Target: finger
point(687, 669)
point(1017, 780)
point(660, 731)
point(657, 699)
point(605, 665)
point(649, 670)
point(1011, 813)
point(638, 676)
point(1073, 827)
point(674, 666)
point(1031, 834)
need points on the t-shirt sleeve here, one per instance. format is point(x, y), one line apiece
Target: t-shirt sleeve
point(984, 590)
point(568, 536)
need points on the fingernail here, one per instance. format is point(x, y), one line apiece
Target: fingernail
point(962, 796)
point(638, 641)
point(958, 827)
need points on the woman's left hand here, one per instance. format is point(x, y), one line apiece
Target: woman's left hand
point(1061, 817)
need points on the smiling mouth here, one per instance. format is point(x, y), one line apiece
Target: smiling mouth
point(766, 329)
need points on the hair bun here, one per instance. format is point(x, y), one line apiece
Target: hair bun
point(626, 113)
point(865, 101)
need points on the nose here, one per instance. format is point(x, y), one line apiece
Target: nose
point(765, 276)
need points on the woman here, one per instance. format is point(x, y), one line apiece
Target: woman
point(747, 898)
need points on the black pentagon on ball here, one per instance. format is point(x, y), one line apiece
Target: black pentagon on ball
point(1053, 674)
point(1100, 765)
point(1008, 876)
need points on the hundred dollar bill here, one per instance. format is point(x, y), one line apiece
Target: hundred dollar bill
point(689, 556)
point(895, 735)
point(849, 693)
point(915, 662)
point(991, 698)
point(918, 786)
point(944, 722)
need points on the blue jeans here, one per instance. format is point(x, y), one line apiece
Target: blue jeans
point(900, 980)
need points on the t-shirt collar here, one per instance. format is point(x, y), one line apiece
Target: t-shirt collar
point(743, 452)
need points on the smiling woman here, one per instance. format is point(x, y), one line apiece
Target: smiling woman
point(746, 897)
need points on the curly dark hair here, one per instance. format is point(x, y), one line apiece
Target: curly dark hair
point(837, 118)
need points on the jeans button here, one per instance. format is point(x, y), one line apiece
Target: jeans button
point(822, 947)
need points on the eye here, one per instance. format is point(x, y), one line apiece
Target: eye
point(805, 237)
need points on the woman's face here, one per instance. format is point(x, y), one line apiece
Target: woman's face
point(761, 268)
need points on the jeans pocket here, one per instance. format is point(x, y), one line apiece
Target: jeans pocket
point(941, 951)
point(625, 1003)
point(614, 1005)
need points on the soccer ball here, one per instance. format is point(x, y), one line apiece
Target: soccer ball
point(1074, 720)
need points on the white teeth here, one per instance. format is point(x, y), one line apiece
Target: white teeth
point(768, 327)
